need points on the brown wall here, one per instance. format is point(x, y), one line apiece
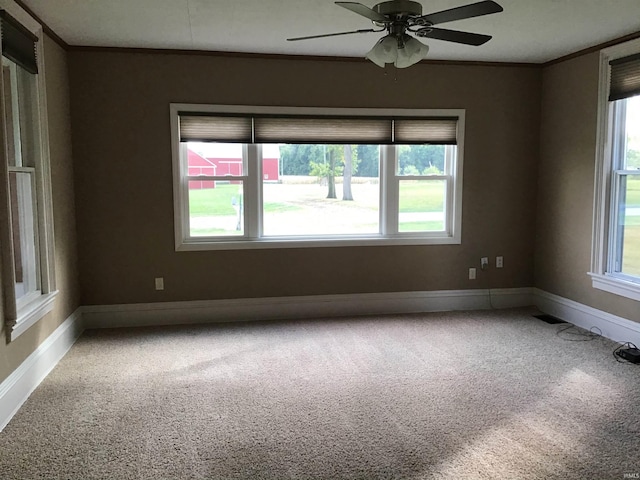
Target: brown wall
point(566, 186)
point(120, 120)
point(68, 300)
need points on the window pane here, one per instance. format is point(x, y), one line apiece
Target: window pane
point(629, 226)
point(216, 208)
point(632, 150)
point(320, 189)
point(23, 230)
point(12, 109)
point(219, 159)
point(421, 159)
point(421, 205)
point(20, 114)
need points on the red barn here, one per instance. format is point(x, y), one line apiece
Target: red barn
point(199, 165)
point(270, 167)
point(223, 163)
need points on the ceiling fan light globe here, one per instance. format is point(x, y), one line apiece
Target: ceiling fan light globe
point(374, 59)
point(384, 51)
point(412, 53)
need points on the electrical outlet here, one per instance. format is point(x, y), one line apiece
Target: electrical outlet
point(484, 263)
point(499, 262)
point(472, 274)
point(159, 283)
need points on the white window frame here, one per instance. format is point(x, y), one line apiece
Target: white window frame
point(19, 316)
point(253, 186)
point(603, 276)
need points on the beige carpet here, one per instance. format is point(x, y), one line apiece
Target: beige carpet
point(448, 395)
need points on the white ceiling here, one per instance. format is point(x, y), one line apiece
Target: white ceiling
point(527, 31)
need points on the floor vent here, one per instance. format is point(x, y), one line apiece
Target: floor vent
point(549, 319)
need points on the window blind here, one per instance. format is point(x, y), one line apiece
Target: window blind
point(18, 43)
point(203, 127)
point(441, 131)
point(322, 130)
point(218, 128)
point(625, 77)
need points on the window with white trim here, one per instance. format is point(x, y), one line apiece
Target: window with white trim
point(270, 177)
point(616, 243)
point(26, 228)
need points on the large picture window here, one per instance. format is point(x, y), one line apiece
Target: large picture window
point(25, 191)
point(616, 251)
point(274, 177)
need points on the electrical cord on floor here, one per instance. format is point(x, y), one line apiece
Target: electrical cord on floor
point(491, 300)
point(572, 333)
point(488, 283)
point(580, 335)
point(620, 347)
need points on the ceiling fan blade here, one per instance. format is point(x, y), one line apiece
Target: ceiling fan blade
point(466, 38)
point(460, 13)
point(365, 11)
point(367, 30)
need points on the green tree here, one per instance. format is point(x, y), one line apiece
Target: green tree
point(368, 160)
point(410, 170)
point(296, 159)
point(422, 157)
point(331, 169)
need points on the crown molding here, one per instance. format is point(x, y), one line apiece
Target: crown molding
point(45, 28)
point(595, 48)
point(286, 57)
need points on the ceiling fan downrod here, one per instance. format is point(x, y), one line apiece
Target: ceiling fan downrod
point(399, 9)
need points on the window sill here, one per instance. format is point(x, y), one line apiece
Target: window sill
point(615, 285)
point(32, 312)
point(313, 242)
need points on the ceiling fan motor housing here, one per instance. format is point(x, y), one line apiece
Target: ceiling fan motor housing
point(399, 8)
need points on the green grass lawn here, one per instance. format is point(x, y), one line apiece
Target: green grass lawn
point(633, 191)
point(415, 196)
point(213, 201)
point(631, 251)
point(219, 201)
point(421, 196)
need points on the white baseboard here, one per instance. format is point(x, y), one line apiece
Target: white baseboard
point(613, 327)
point(17, 387)
point(174, 313)
point(315, 306)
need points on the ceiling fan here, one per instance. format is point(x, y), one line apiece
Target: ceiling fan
point(399, 18)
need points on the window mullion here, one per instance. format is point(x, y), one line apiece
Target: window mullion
point(389, 193)
point(214, 178)
point(450, 189)
point(252, 191)
point(184, 192)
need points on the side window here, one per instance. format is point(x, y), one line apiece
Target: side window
point(625, 187)
point(616, 235)
point(26, 235)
